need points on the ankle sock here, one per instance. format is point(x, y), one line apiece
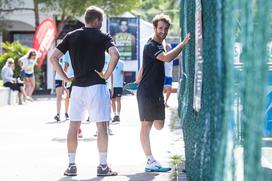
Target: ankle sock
point(150, 158)
point(72, 158)
point(103, 158)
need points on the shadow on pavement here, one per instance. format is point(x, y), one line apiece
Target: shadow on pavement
point(71, 179)
point(63, 140)
point(181, 174)
point(56, 122)
point(135, 177)
point(85, 122)
point(142, 176)
point(63, 121)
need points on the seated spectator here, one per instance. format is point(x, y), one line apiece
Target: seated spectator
point(11, 82)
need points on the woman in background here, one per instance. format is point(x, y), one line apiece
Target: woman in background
point(28, 62)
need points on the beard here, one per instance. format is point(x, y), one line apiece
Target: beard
point(160, 36)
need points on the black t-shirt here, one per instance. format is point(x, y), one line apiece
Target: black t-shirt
point(87, 48)
point(153, 70)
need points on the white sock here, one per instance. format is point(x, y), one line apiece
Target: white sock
point(118, 113)
point(115, 114)
point(72, 157)
point(103, 158)
point(150, 158)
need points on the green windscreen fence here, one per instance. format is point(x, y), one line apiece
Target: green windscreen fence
point(225, 94)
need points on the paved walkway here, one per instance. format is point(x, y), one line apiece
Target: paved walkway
point(33, 145)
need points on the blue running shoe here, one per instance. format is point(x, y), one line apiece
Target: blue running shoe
point(155, 166)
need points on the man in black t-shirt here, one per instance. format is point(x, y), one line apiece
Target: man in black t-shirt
point(150, 91)
point(90, 95)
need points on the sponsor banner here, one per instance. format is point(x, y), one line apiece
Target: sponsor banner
point(125, 32)
point(44, 36)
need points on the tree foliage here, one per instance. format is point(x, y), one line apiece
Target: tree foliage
point(74, 8)
point(117, 7)
point(13, 50)
point(149, 8)
point(69, 9)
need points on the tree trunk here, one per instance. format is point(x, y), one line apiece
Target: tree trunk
point(36, 13)
point(62, 23)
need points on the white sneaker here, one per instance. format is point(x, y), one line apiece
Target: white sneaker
point(154, 166)
point(29, 98)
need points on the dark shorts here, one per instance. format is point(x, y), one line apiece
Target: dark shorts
point(58, 83)
point(150, 107)
point(26, 75)
point(110, 93)
point(14, 86)
point(117, 92)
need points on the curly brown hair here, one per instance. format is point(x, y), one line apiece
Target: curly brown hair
point(161, 17)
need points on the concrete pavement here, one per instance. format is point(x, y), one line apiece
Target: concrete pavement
point(33, 145)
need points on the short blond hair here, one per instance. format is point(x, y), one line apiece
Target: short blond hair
point(161, 17)
point(10, 61)
point(93, 13)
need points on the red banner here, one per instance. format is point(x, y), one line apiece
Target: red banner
point(44, 37)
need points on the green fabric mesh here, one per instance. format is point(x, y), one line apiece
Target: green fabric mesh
point(223, 141)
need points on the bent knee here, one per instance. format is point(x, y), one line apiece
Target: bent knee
point(158, 124)
point(158, 127)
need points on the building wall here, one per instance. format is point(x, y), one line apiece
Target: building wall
point(27, 16)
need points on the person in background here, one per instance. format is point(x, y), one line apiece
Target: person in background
point(168, 68)
point(118, 82)
point(109, 85)
point(68, 69)
point(28, 63)
point(59, 84)
point(11, 82)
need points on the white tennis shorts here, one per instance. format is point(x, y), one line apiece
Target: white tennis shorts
point(94, 100)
